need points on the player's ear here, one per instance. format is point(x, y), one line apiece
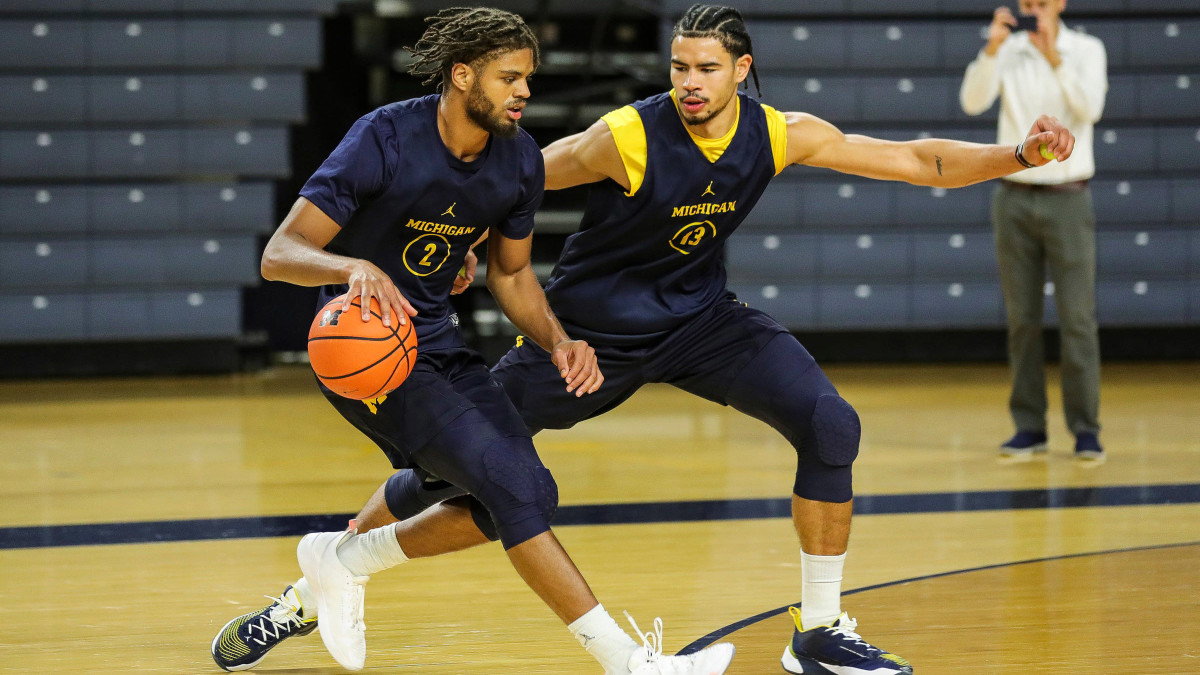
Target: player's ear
point(462, 77)
point(741, 67)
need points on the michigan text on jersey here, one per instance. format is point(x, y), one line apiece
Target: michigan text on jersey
point(703, 209)
point(439, 228)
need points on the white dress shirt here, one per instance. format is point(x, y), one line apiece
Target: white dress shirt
point(1028, 87)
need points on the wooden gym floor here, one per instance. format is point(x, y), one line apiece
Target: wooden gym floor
point(131, 528)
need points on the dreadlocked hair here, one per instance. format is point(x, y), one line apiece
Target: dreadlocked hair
point(723, 23)
point(466, 35)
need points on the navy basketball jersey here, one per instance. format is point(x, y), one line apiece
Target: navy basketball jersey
point(647, 260)
point(409, 206)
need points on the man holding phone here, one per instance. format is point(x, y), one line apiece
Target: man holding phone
point(1043, 217)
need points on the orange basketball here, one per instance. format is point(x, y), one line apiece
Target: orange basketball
point(360, 359)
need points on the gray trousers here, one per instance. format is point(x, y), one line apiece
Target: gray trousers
point(1036, 230)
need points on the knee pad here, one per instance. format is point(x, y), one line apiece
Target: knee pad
point(835, 431)
point(521, 495)
point(823, 472)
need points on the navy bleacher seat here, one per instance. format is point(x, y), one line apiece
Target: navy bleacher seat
point(785, 7)
point(957, 305)
point(196, 313)
point(772, 257)
point(1185, 202)
point(1179, 148)
point(864, 257)
point(926, 206)
point(1138, 303)
point(1165, 43)
point(918, 99)
point(957, 256)
point(1114, 33)
point(38, 154)
point(895, 45)
point(127, 262)
point(43, 263)
point(962, 40)
point(863, 305)
point(211, 260)
point(851, 204)
point(218, 207)
point(133, 98)
point(1127, 202)
point(43, 209)
point(277, 42)
point(137, 153)
point(258, 151)
point(116, 315)
point(1167, 97)
point(206, 43)
point(136, 42)
point(135, 208)
point(781, 205)
point(38, 98)
point(41, 318)
point(1121, 102)
point(1125, 149)
point(27, 43)
point(259, 96)
point(793, 305)
point(792, 45)
point(1142, 253)
point(45, 6)
point(831, 98)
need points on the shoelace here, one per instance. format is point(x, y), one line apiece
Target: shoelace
point(845, 629)
point(280, 618)
point(652, 641)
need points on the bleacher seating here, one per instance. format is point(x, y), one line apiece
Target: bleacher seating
point(137, 140)
point(824, 251)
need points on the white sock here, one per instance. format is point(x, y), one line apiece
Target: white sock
point(604, 640)
point(821, 595)
point(371, 552)
point(302, 596)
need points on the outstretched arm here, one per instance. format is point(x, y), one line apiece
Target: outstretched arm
point(934, 162)
point(589, 156)
point(512, 282)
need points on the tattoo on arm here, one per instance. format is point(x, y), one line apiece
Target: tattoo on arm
point(939, 164)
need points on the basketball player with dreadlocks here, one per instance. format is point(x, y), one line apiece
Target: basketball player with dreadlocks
point(391, 215)
point(643, 281)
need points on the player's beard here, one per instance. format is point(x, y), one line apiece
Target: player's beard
point(488, 116)
point(693, 120)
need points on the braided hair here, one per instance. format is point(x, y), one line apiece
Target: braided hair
point(723, 23)
point(467, 35)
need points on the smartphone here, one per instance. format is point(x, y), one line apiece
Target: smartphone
point(1027, 23)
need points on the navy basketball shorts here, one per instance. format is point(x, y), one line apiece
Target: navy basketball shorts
point(452, 420)
point(730, 354)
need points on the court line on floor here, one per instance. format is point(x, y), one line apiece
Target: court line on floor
point(142, 532)
point(750, 621)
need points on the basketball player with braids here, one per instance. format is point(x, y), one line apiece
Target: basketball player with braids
point(643, 282)
point(390, 215)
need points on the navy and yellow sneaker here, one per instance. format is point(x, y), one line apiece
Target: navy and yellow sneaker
point(836, 648)
point(245, 641)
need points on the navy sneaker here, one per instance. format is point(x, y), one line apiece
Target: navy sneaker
point(245, 641)
point(1087, 447)
point(1024, 444)
point(836, 648)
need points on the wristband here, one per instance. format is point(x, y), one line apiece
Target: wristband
point(1020, 155)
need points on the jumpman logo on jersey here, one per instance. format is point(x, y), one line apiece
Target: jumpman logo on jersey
point(708, 190)
point(451, 210)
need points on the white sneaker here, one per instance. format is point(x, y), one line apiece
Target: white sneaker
point(339, 597)
point(649, 660)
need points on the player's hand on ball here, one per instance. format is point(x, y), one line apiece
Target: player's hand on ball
point(1047, 141)
point(466, 275)
point(368, 281)
point(576, 361)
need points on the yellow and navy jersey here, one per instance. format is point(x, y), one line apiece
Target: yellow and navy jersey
point(648, 259)
point(409, 206)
